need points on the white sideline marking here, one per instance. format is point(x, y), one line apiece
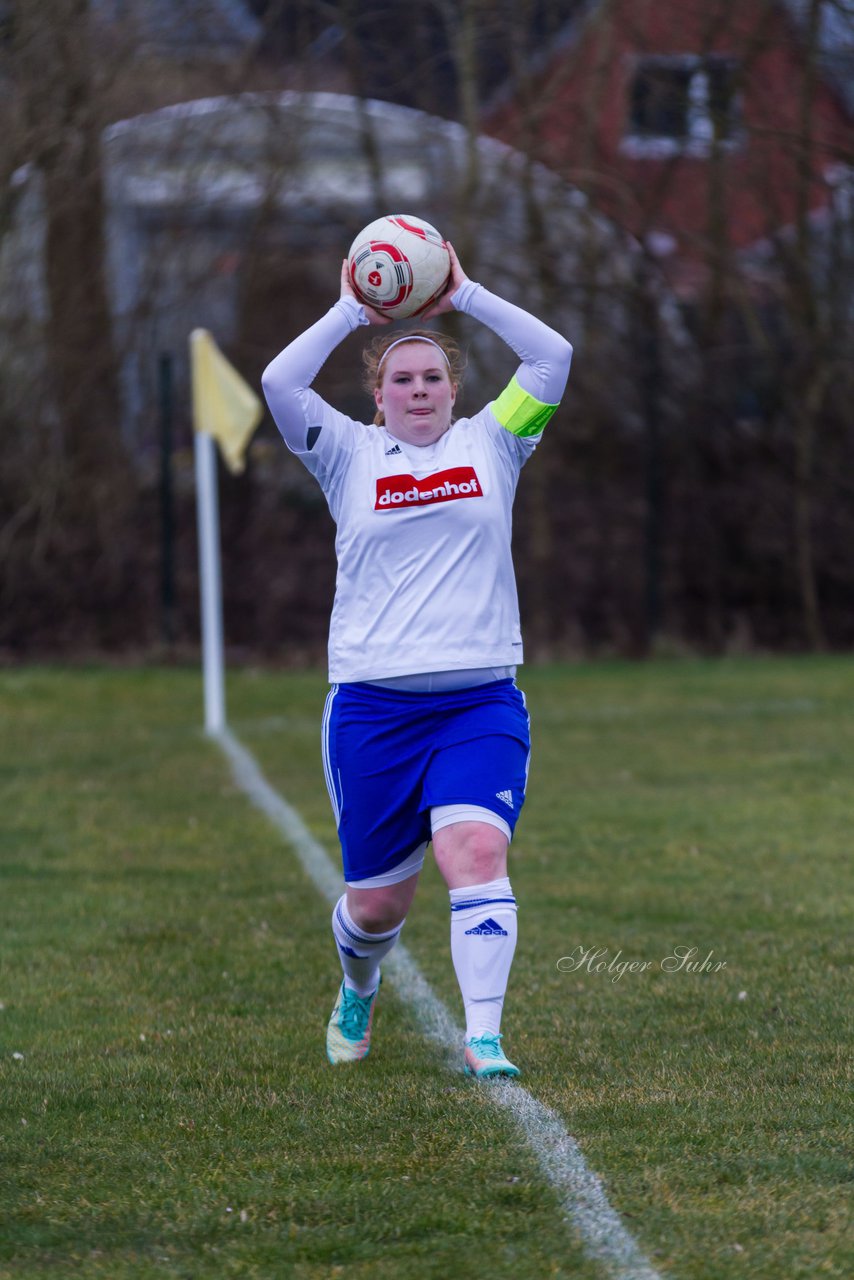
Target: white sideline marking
point(585, 1204)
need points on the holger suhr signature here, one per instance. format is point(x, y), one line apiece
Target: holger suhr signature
point(596, 960)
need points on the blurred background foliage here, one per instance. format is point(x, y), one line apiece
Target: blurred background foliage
point(672, 186)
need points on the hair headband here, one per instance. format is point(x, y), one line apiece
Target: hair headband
point(414, 337)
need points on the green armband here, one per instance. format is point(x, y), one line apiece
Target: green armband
point(519, 412)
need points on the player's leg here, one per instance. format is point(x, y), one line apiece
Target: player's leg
point(366, 924)
point(374, 786)
point(472, 857)
point(477, 788)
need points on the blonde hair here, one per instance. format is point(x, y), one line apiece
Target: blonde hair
point(373, 354)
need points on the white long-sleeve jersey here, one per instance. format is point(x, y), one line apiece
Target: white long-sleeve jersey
point(425, 575)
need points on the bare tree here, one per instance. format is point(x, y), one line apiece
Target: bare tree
point(701, 496)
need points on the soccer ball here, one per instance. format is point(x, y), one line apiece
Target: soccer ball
point(399, 265)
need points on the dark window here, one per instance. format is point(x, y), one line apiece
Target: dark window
point(683, 100)
point(659, 102)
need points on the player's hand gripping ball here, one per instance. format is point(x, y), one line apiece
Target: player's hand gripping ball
point(399, 265)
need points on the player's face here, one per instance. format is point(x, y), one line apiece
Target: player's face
point(416, 393)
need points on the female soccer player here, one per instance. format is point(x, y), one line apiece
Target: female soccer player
point(425, 734)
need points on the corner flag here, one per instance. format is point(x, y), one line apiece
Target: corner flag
point(225, 409)
point(224, 405)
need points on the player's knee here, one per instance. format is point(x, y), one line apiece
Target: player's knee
point(487, 858)
point(475, 850)
point(376, 914)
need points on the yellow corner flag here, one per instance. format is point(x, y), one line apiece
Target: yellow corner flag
point(224, 405)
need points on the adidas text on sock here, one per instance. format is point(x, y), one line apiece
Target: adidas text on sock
point(483, 941)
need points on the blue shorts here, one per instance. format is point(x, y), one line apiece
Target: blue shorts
point(391, 756)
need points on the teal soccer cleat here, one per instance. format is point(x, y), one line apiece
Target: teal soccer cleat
point(485, 1058)
point(348, 1036)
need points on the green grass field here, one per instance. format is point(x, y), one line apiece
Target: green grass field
point(166, 972)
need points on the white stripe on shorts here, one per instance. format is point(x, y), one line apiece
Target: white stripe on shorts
point(335, 798)
point(410, 866)
point(445, 815)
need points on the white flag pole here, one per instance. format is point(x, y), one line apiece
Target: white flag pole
point(210, 581)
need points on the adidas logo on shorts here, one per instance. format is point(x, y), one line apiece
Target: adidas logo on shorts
point(506, 796)
point(488, 928)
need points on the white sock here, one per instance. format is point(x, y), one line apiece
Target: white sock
point(483, 940)
point(360, 953)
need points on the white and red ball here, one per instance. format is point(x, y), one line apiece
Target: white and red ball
point(399, 265)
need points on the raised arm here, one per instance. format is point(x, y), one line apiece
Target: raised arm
point(545, 355)
point(287, 379)
point(298, 411)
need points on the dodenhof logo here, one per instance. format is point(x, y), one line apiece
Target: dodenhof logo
point(443, 486)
